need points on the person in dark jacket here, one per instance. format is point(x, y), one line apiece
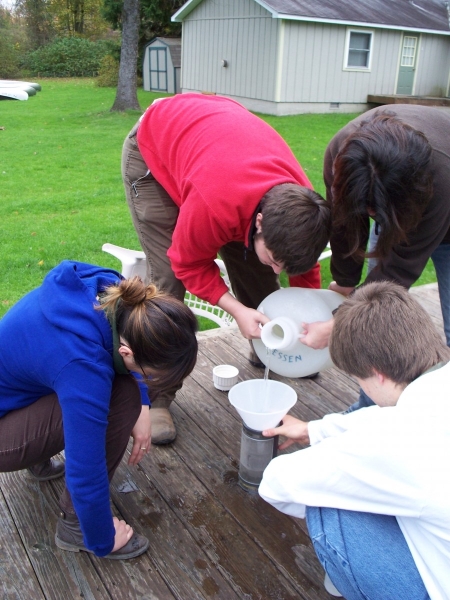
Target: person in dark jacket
point(390, 166)
point(79, 358)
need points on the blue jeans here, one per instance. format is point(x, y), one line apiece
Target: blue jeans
point(441, 262)
point(365, 555)
point(362, 402)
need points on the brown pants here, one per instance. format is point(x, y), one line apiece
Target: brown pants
point(34, 434)
point(154, 216)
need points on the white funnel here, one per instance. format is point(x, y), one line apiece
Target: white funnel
point(262, 403)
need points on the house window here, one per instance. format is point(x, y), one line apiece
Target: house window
point(358, 50)
point(408, 51)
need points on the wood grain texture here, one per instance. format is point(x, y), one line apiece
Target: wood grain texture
point(209, 539)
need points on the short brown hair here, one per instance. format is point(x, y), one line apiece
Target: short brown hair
point(382, 328)
point(296, 226)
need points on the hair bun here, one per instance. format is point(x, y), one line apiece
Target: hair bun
point(133, 291)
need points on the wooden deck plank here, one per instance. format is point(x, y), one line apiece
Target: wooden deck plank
point(224, 543)
point(34, 509)
point(272, 531)
point(209, 539)
point(176, 555)
point(17, 579)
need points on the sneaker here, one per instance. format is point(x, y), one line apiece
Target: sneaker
point(68, 536)
point(47, 470)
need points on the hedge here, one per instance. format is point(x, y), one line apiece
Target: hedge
point(67, 57)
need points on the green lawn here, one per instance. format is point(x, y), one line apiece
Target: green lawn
point(61, 187)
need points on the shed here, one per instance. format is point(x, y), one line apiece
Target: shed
point(161, 68)
point(294, 56)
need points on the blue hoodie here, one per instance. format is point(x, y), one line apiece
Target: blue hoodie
point(53, 341)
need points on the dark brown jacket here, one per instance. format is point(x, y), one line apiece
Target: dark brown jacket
point(406, 261)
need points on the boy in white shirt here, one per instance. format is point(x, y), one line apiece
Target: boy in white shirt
point(374, 483)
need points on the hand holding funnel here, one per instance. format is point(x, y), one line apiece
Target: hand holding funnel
point(262, 404)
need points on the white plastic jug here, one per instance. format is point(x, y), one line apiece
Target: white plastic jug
point(288, 308)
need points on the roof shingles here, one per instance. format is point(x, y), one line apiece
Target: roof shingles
point(417, 14)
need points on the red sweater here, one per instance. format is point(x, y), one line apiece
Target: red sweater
point(216, 160)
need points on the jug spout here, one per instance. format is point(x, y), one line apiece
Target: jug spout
point(281, 333)
point(294, 305)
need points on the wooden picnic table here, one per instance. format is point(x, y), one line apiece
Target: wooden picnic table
point(209, 539)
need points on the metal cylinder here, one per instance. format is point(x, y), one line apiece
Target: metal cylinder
point(256, 453)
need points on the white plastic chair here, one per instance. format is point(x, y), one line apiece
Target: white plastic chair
point(325, 254)
point(134, 263)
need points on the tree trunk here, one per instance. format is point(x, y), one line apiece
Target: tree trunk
point(78, 16)
point(126, 96)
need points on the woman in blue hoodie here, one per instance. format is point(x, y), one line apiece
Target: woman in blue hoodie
point(79, 358)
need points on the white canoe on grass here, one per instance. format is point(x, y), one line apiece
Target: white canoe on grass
point(13, 83)
point(17, 90)
point(13, 93)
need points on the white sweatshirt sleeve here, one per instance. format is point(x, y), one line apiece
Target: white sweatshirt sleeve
point(349, 466)
point(337, 423)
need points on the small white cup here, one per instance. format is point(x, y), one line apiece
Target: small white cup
point(225, 376)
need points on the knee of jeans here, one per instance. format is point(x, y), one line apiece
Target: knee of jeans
point(326, 535)
point(314, 524)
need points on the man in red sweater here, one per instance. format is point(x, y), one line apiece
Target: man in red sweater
point(203, 176)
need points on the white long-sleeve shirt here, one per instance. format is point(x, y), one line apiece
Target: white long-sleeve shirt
point(390, 461)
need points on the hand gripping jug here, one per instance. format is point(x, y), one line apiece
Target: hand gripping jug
point(280, 346)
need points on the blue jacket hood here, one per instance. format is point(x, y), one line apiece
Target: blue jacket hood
point(64, 291)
